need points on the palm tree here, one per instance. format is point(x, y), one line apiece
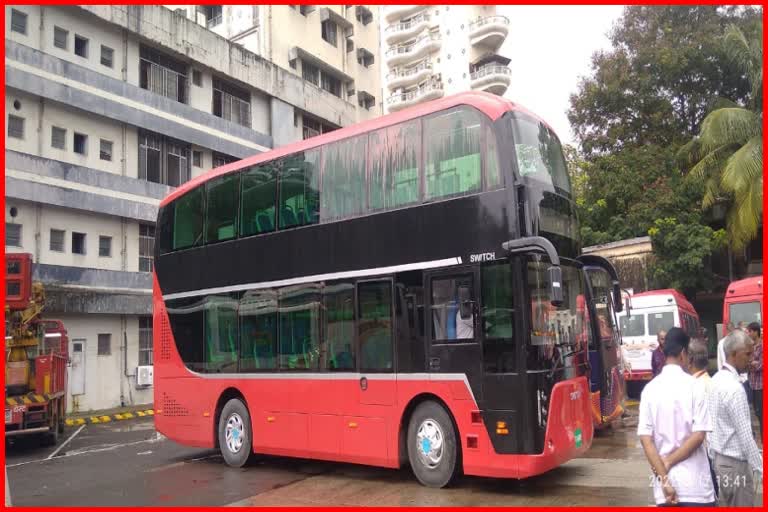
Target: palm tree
point(728, 153)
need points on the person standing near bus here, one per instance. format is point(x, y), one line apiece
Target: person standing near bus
point(756, 372)
point(735, 452)
point(658, 358)
point(743, 377)
point(698, 361)
point(672, 426)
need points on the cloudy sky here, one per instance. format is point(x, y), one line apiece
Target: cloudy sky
point(550, 48)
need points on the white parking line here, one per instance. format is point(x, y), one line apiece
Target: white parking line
point(83, 452)
point(62, 445)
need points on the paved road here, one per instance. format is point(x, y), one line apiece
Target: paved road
point(128, 464)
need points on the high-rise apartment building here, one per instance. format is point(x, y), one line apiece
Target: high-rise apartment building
point(436, 50)
point(107, 109)
point(335, 47)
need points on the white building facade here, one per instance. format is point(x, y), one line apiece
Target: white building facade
point(430, 51)
point(107, 109)
point(335, 47)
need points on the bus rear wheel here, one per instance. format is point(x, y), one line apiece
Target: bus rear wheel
point(235, 435)
point(432, 445)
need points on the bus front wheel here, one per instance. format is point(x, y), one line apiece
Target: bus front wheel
point(235, 433)
point(432, 447)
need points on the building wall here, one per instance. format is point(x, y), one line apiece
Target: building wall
point(38, 220)
point(286, 20)
point(631, 258)
point(268, 31)
point(28, 109)
point(105, 375)
point(26, 216)
point(451, 62)
point(190, 41)
point(54, 188)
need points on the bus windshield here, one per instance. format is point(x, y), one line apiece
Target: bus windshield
point(633, 325)
point(555, 331)
point(539, 153)
point(663, 321)
point(746, 312)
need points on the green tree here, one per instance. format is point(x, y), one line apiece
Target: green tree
point(682, 250)
point(728, 154)
point(645, 98)
point(659, 80)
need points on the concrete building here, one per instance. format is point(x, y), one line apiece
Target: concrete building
point(336, 49)
point(436, 50)
point(107, 109)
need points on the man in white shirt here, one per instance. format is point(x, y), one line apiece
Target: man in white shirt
point(736, 455)
point(672, 426)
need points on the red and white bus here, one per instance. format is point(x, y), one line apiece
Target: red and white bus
point(402, 291)
point(743, 303)
point(651, 312)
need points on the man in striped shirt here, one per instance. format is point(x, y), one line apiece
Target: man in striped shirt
point(736, 455)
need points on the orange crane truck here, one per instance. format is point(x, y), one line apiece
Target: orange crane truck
point(36, 357)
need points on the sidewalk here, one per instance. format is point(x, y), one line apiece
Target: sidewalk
point(107, 415)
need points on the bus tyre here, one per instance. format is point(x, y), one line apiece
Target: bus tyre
point(432, 446)
point(235, 433)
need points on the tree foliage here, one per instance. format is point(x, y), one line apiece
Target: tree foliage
point(645, 98)
point(682, 250)
point(664, 74)
point(728, 154)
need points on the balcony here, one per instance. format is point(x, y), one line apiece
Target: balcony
point(407, 30)
point(489, 31)
point(400, 77)
point(426, 92)
point(492, 78)
point(422, 47)
point(393, 13)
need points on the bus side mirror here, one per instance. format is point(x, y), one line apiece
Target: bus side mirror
point(626, 306)
point(617, 298)
point(555, 285)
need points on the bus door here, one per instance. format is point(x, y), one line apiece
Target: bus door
point(364, 431)
point(608, 373)
point(453, 340)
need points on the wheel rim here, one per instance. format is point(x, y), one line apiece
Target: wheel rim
point(429, 443)
point(234, 432)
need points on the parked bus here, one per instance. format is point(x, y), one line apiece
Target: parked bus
point(402, 291)
point(651, 312)
point(743, 303)
point(607, 384)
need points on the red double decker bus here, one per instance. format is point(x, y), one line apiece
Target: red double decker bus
point(402, 291)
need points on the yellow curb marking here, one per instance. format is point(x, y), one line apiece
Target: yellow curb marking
point(105, 419)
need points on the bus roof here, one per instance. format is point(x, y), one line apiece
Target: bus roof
point(491, 105)
point(651, 298)
point(748, 286)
